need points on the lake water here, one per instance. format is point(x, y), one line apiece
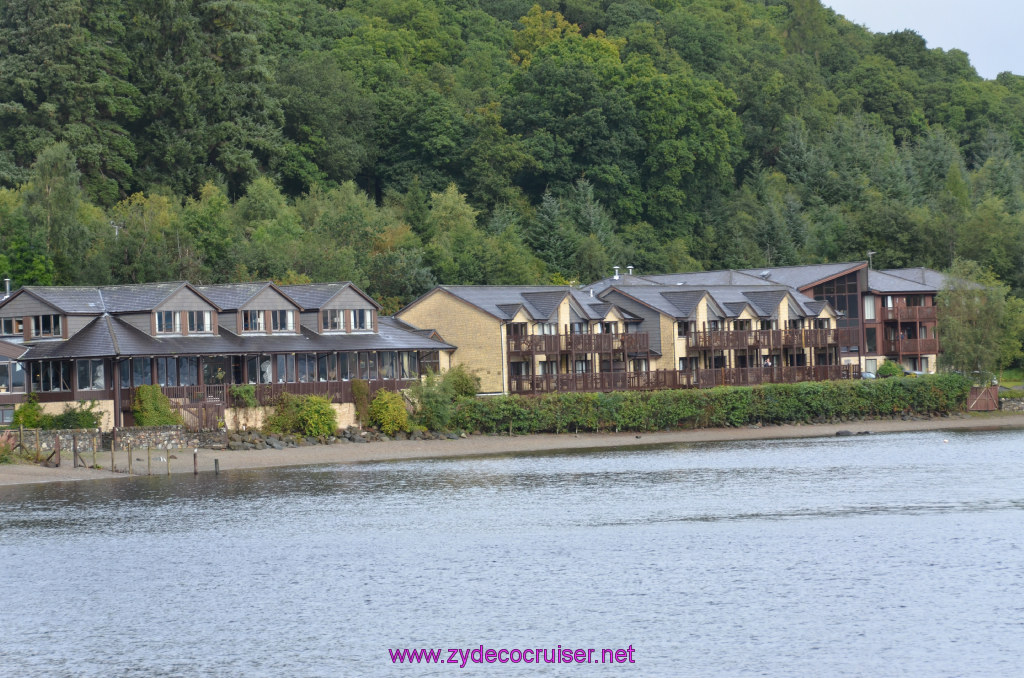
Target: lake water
point(888, 555)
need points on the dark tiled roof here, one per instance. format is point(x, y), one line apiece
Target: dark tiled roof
point(924, 276)
point(879, 281)
point(544, 304)
point(9, 350)
point(108, 336)
point(683, 302)
point(231, 297)
point(509, 310)
point(69, 299)
point(804, 276)
point(766, 302)
point(704, 278)
point(498, 299)
point(315, 295)
point(137, 298)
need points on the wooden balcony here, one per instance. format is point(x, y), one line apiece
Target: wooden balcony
point(675, 379)
point(910, 346)
point(755, 339)
point(553, 344)
point(909, 313)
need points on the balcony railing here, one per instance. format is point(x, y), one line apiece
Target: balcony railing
point(909, 313)
point(739, 339)
point(552, 344)
point(910, 346)
point(675, 379)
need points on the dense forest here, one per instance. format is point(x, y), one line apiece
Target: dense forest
point(404, 143)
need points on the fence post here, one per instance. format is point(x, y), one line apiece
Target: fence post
point(195, 462)
point(37, 446)
point(94, 444)
point(74, 451)
point(129, 458)
point(149, 460)
point(113, 467)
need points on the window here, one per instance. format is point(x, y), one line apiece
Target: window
point(578, 328)
point(259, 369)
point(252, 321)
point(305, 367)
point(766, 325)
point(327, 366)
point(610, 328)
point(741, 326)
point(90, 375)
point(11, 327)
point(332, 320)
point(712, 325)
point(871, 340)
point(282, 321)
point(142, 371)
point(871, 365)
point(46, 326)
point(344, 366)
point(366, 365)
point(200, 322)
point(6, 415)
point(823, 323)
point(285, 369)
point(167, 371)
point(12, 377)
point(640, 364)
point(51, 375)
point(682, 329)
point(361, 320)
point(547, 328)
point(581, 366)
point(410, 364)
point(215, 369)
point(519, 369)
point(547, 367)
point(869, 307)
point(168, 322)
point(388, 364)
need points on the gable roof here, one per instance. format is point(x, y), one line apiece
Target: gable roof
point(12, 351)
point(233, 296)
point(932, 279)
point(805, 276)
point(885, 282)
point(140, 298)
point(314, 296)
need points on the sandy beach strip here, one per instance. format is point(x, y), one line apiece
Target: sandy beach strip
point(228, 460)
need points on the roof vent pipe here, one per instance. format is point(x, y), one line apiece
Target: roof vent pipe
point(629, 270)
point(616, 276)
point(591, 292)
point(7, 287)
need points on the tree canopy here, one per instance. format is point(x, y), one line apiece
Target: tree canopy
point(404, 143)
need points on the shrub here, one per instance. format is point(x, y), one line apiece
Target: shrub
point(307, 415)
point(388, 413)
point(889, 369)
point(30, 414)
point(434, 405)
point(6, 448)
point(244, 395)
point(316, 417)
point(151, 407)
point(361, 399)
point(459, 382)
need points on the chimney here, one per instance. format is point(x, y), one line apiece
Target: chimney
point(616, 276)
point(7, 287)
point(629, 270)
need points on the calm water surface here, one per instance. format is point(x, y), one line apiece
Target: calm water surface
point(894, 555)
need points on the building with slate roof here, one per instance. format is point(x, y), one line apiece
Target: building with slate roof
point(99, 343)
point(718, 327)
point(882, 315)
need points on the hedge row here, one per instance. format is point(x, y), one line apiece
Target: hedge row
point(700, 408)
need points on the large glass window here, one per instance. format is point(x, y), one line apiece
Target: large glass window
point(215, 370)
point(167, 371)
point(259, 369)
point(6, 415)
point(410, 364)
point(305, 367)
point(51, 375)
point(285, 369)
point(12, 377)
point(388, 364)
point(547, 328)
point(871, 338)
point(327, 366)
point(188, 371)
point(869, 307)
point(367, 365)
point(90, 375)
point(142, 371)
point(344, 366)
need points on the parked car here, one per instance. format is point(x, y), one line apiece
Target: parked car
point(868, 375)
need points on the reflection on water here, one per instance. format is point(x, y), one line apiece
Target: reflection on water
point(885, 555)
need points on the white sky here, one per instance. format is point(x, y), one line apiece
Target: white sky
point(988, 30)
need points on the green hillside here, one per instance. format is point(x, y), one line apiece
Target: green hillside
point(403, 143)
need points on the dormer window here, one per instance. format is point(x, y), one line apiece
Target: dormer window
point(252, 321)
point(282, 321)
point(200, 322)
point(11, 327)
point(360, 319)
point(332, 320)
point(46, 326)
point(168, 322)
point(547, 328)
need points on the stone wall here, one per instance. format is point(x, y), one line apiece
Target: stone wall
point(1008, 405)
point(46, 441)
point(157, 437)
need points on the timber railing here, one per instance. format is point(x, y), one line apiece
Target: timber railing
point(552, 344)
point(743, 339)
point(910, 346)
point(909, 313)
point(675, 379)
